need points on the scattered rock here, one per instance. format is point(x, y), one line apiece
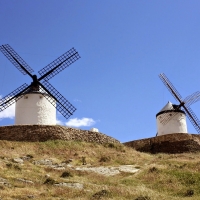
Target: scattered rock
point(57, 167)
point(128, 168)
point(24, 180)
point(27, 157)
point(18, 160)
point(3, 179)
point(100, 170)
point(109, 171)
point(47, 176)
point(4, 182)
point(49, 163)
point(94, 130)
point(43, 162)
point(71, 185)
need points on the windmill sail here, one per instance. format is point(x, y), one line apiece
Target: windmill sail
point(184, 104)
point(59, 64)
point(11, 98)
point(15, 59)
point(62, 104)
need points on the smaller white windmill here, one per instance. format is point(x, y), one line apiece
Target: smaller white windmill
point(172, 119)
point(169, 120)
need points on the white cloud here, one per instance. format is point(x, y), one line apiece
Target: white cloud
point(8, 112)
point(77, 100)
point(80, 122)
point(59, 122)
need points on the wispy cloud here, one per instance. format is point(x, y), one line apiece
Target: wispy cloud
point(80, 122)
point(77, 100)
point(59, 122)
point(8, 112)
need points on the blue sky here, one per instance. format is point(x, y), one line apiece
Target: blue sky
point(124, 46)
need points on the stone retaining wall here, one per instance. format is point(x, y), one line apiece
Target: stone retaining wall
point(171, 143)
point(41, 133)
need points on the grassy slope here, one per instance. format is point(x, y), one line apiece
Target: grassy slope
point(161, 176)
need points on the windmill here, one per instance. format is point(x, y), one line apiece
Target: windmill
point(171, 119)
point(34, 101)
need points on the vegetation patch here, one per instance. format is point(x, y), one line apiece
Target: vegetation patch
point(49, 181)
point(189, 193)
point(104, 159)
point(143, 198)
point(161, 176)
point(100, 194)
point(66, 174)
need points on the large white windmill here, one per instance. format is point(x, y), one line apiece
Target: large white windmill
point(37, 103)
point(171, 119)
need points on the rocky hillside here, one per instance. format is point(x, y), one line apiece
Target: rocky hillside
point(80, 170)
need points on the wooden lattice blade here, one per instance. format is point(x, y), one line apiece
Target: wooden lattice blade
point(62, 104)
point(193, 118)
point(59, 64)
point(16, 60)
point(11, 98)
point(170, 87)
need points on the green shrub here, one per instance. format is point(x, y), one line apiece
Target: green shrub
point(143, 198)
point(104, 159)
point(153, 170)
point(189, 193)
point(16, 167)
point(66, 174)
point(49, 181)
point(100, 194)
point(9, 165)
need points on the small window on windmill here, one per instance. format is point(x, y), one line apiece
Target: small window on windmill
point(41, 97)
point(25, 97)
point(170, 114)
point(181, 116)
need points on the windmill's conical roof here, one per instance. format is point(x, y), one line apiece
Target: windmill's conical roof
point(168, 106)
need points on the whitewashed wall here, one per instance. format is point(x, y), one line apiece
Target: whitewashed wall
point(34, 108)
point(176, 124)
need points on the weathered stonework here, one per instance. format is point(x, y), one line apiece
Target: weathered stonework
point(171, 143)
point(41, 133)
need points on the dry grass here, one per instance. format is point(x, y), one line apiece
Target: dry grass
point(161, 176)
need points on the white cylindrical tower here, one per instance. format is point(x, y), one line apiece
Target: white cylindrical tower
point(34, 108)
point(171, 121)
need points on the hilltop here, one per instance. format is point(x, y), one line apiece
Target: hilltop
point(79, 170)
